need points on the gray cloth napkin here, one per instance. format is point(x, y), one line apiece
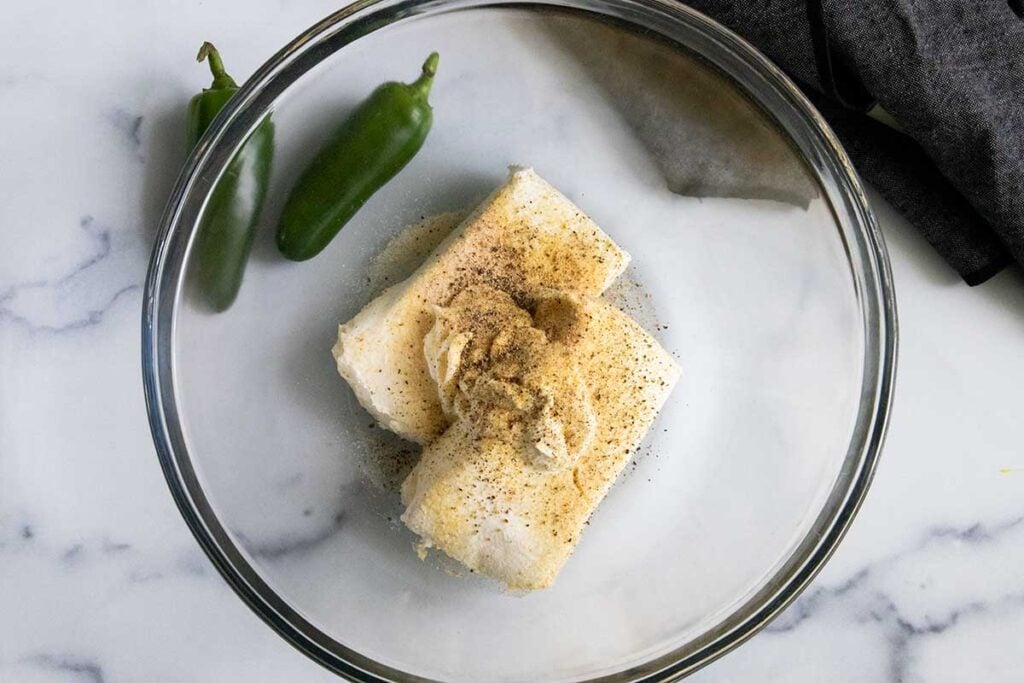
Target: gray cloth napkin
point(951, 74)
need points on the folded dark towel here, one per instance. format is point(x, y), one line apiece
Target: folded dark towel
point(951, 74)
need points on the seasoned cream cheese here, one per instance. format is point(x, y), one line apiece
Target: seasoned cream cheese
point(506, 379)
point(528, 391)
point(525, 239)
point(486, 504)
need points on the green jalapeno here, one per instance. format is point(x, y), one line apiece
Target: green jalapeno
point(228, 224)
point(373, 144)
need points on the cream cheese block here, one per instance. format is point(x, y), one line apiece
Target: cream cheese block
point(483, 501)
point(526, 238)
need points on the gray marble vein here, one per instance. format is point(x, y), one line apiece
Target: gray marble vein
point(868, 600)
point(80, 297)
point(129, 125)
point(78, 668)
point(295, 543)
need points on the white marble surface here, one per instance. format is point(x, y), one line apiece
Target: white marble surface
point(101, 581)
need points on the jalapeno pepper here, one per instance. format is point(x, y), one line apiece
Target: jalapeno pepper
point(228, 225)
point(373, 144)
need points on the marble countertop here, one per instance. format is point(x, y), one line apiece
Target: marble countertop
point(101, 581)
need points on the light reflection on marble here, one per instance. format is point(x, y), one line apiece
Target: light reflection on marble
point(100, 580)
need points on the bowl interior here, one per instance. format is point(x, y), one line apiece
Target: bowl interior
point(740, 268)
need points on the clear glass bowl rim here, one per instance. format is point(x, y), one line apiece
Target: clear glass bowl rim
point(764, 82)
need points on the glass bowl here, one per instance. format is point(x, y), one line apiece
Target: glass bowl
point(756, 262)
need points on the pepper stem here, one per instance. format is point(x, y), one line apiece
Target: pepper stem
point(421, 86)
point(221, 80)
